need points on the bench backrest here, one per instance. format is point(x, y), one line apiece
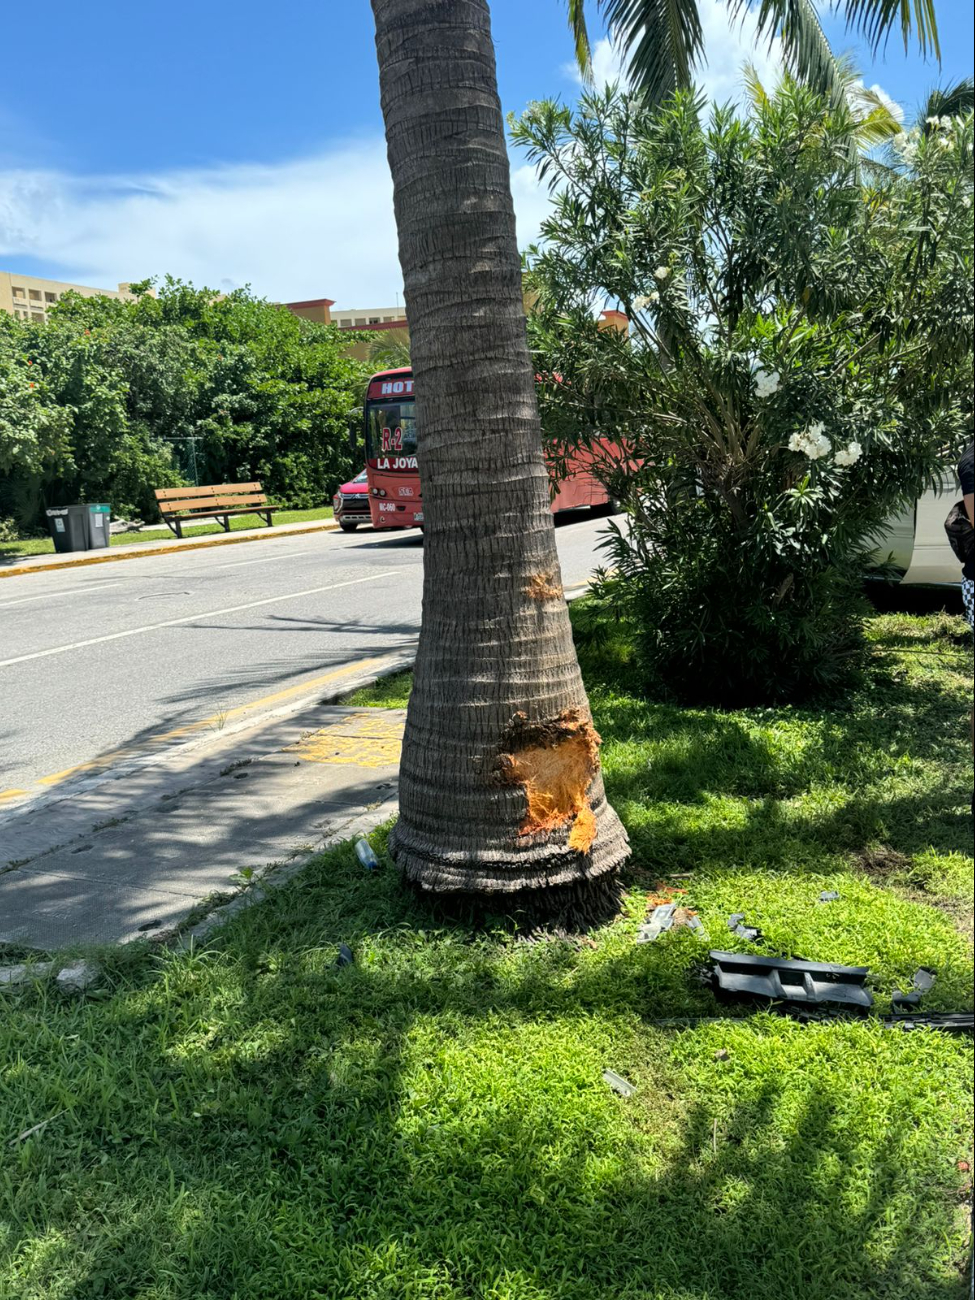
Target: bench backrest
point(212, 496)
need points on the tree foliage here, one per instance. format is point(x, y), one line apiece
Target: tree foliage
point(109, 400)
point(663, 40)
point(798, 365)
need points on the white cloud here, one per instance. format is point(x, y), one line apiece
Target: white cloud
point(728, 47)
point(531, 202)
point(307, 228)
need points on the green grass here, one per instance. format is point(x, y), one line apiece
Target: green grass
point(388, 693)
point(431, 1123)
point(45, 545)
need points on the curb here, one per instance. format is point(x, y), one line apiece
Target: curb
point(395, 663)
point(362, 821)
point(163, 548)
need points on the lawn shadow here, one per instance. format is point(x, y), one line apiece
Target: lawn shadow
point(431, 1121)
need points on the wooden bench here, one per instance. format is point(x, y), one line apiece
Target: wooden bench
point(217, 500)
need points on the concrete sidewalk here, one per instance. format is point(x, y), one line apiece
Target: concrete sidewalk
point(132, 855)
point(10, 565)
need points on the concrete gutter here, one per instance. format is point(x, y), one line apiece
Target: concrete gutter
point(139, 550)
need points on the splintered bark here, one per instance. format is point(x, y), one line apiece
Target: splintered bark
point(500, 786)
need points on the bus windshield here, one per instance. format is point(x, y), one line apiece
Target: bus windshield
point(390, 429)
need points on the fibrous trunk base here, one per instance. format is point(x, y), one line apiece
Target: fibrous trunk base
point(545, 879)
point(576, 907)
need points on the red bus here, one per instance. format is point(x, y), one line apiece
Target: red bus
point(392, 474)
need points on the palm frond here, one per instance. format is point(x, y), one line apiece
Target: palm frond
point(877, 127)
point(388, 352)
point(753, 84)
point(878, 118)
point(874, 19)
point(804, 44)
point(580, 35)
point(662, 39)
point(950, 101)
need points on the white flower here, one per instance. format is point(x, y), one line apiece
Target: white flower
point(812, 442)
point(966, 201)
point(767, 382)
point(944, 142)
point(947, 123)
point(641, 304)
point(849, 455)
point(662, 272)
point(934, 122)
point(655, 297)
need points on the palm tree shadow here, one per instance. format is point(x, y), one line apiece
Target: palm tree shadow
point(366, 1143)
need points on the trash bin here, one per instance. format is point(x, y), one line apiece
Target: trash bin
point(99, 518)
point(69, 527)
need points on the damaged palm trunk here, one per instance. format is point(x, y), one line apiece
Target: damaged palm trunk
point(500, 787)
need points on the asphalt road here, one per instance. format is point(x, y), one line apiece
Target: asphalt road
point(102, 658)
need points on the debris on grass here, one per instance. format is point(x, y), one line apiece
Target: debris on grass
point(34, 1129)
point(829, 896)
point(661, 920)
point(346, 956)
point(779, 979)
point(668, 916)
point(77, 977)
point(737, 926)
point(22, 973)
point(950, 1022)
point(618, 1083)
point(366, 854)
point(923, 980)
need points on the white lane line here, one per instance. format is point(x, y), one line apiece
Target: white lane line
point(264, 559)
point(50, 595)
point(193, 618)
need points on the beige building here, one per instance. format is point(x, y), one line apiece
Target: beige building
point(363, 317)
point(28, 298)
point(313, 309)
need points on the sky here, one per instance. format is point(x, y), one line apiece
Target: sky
point(232, 144)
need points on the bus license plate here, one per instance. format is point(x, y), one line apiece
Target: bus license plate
point(418, 517)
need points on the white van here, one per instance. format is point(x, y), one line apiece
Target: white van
point(916, 541)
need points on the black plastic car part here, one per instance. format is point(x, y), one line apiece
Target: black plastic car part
point(950, 1022)
point(750, 932)
point(923, 980)
point(780, 979)
point(661, 920)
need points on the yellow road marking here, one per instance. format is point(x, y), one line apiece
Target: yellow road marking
point(371, 740)
point(11, 794)
point(216, 722)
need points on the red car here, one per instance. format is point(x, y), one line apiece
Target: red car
point(351, 504)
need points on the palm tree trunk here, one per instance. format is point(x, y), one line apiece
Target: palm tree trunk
point(500, 786)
